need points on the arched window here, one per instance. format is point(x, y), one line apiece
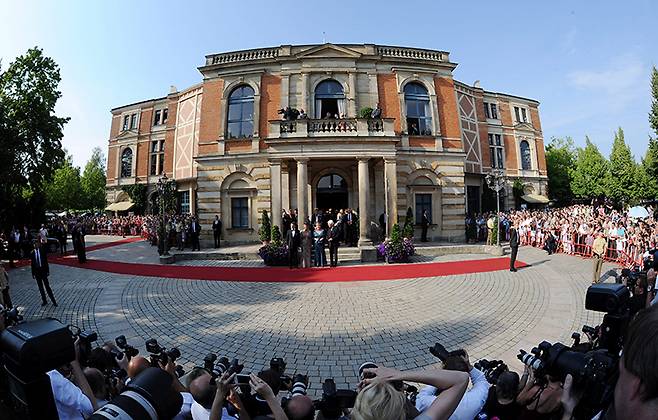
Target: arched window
point(525, 156)
point(240, 113)
point(417, 102)
point(329, 99)
point(127, 163)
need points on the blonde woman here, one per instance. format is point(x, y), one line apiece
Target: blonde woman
point(379, 400)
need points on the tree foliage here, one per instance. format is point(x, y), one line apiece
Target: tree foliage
point(560, 164)
point(653, 114)
point(622, 183)
point(30, 132)
point(93, 181)
point(137, 193)
point(64, 191)
point(588, 178)
point(265, 231)
point(650, 169)
point(408, 229)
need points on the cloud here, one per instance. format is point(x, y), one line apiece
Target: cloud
point(628, 73)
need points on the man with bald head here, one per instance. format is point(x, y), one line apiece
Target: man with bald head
point(209, 397)
point(137, 365)
point(300, 407)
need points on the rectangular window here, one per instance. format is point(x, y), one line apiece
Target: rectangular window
point(494, 111)
point(240, 212)
point(184, 200)
point(423, 203)
point(157, 157)
point(520, 114)
point(472, 199)
point(517, 111)
point(524, 117)
point(496, 151)
point(486, 110)
point(164, 115)
point(133, 121)
point(126, 120)
point(156, 119)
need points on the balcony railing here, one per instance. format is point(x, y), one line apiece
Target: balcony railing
point(344, 127)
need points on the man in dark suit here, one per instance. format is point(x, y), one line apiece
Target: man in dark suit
point(514, 245)
point(41, 271)
point(424, 224)
point(333, 237)
point(349, 227)
point(216, 230)
point(195, 230)
point(293, 240)
point(317, 217)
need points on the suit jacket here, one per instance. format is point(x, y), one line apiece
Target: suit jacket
point(334, 235)
point(317, 218)
point(40, 270)
point(513, 238)
point(217, 225)
point(293, 241)
point(197, 228)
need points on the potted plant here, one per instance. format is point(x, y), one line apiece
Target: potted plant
point(265, 231)
point(274, 253)
point(396, 249)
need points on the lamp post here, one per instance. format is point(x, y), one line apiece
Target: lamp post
point(162, 188)
point(496, 181)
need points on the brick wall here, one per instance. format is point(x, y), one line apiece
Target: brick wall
point(169, 136)
point(511, 163)
point(116, 126)
point(209, 128)
point(142, 159)
point(389, 100)
point(504, 112)
point(534, 116)
point(112, 163)
point(146, 120)
point(541, 155)
point(448, 113)
point(270, 102)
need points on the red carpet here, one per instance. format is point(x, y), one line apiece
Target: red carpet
point(284, 274)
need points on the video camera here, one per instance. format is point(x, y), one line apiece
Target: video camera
point(492, 369)
point(334, 400)
point(86, 338)
point(593, 367)
point(126, 348)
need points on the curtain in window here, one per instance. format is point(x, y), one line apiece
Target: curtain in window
point(318, 109)
point(341, 107)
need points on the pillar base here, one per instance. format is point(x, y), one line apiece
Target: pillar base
point(368, 254)
point(364, 243)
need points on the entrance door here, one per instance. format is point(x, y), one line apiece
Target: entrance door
point(331, 193)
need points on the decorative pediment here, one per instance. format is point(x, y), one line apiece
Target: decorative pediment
point(329, 51)
point(126, 134)
point(524, 126)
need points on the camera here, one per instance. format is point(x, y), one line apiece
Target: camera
point(127, 349)
point(86, 338)
point(334, 400)
point(492, 369)
point(160, 355)
point(439, 351)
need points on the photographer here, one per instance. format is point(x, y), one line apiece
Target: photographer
point(72, 402)
point(636, 390)
point(208, 398)
point(378, 399)
point(501, 401)
point(472, 401)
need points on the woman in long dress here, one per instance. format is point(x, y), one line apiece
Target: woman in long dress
point(307, 245)
point(320, 237)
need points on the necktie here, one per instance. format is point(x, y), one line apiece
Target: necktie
point(38, 260)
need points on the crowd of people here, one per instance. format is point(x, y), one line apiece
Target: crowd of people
point(219, 389)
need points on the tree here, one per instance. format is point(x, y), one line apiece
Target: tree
point(588, 179)
point(64, 191)
point(137, 193)
point(265, 232)
point(650, 170)
point(622, 185)
point(653, 115)
point(93, 181)
point(560, 164)
point(408, 229)
point(30, 133)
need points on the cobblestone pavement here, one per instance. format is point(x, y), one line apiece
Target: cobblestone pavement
point(325, 329)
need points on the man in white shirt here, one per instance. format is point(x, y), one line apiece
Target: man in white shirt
point(471, 403)
point(72, 402)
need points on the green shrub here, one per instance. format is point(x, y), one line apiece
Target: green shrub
point(276, 236)
point(265, 231)
point(365, 112)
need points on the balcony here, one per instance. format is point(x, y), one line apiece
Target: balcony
point(345, 127)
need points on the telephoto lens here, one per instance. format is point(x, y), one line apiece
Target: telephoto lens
point(149, 396)
point(300, 383)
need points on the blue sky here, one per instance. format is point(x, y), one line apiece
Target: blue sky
point(587, 62)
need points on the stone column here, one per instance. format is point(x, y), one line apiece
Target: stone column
point(391, 188)
point(275, 192)
point(364, 192)
point(302, 191)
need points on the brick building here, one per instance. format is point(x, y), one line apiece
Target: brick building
point(232, 154)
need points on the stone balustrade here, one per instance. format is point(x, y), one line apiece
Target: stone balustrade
point(247, 55)
point(344, 127)
point(412, 53)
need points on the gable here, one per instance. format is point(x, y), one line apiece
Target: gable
point(328, 51)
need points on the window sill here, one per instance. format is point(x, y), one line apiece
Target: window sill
point(250, 230)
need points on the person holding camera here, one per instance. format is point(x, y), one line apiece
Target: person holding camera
point(379, 400)
point(501, 401)
point(636, 390)
point(472, 401)
point(73, 400)
point(209, 396)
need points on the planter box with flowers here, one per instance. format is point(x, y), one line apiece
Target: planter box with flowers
point(274, 253)
point(396, 249)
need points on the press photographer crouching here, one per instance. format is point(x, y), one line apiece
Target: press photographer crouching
point(473, 400)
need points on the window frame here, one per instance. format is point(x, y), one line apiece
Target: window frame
point(425, 127)
point(520, 110)
point(243, 212)
point(133, 121)
point(491, 110)
point(418, 210)
point(157, 115)
point(496, 145)
point(240, 101)
point(522, 155)
point(156, 157)
point(122, 172)
point(126, 123)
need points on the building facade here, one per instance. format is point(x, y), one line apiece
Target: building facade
point(232, 154)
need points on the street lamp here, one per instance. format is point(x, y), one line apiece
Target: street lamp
point(162, 187)
point(496, 181)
